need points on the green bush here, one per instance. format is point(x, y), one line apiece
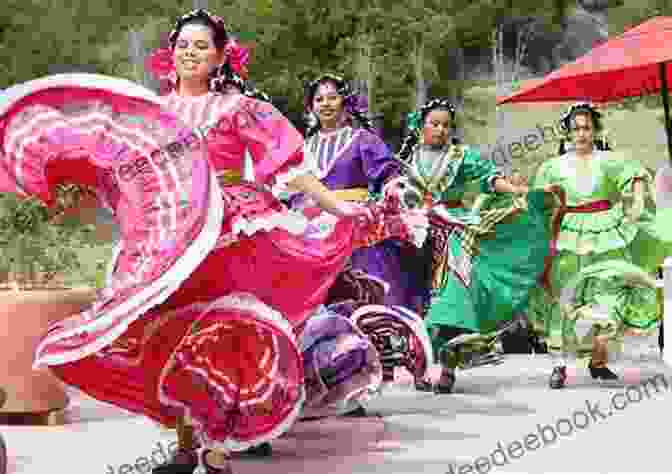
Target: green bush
point(33, 248)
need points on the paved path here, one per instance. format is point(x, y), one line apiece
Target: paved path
point(411, 432)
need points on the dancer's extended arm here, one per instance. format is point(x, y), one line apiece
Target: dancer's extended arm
point(311, 186)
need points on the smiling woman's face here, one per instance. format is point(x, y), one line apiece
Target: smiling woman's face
point(195, 54)
point(328, 104)
point(583, 132)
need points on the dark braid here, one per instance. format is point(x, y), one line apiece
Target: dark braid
point(220, 31)
point(226, 76)
point(583, 108)
point(350, 101)
point(407, 146)
point(416, 122)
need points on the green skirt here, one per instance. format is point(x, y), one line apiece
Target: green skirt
point(607, 298)
point(595, 281)
point(489, 280)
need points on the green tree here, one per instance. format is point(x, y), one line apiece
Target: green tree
point(35, 35)
point(400, 47)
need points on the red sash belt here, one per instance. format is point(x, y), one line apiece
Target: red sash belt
point(429, 202)
point(587, 208)
point(590, 207)
point(452, 204)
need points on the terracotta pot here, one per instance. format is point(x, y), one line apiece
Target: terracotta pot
point(24, 318)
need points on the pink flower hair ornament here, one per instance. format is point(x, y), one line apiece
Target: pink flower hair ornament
point(161, 65)
point(160, 62)
point(238, 57)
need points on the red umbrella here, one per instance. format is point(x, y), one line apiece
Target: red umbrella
point(633, 64)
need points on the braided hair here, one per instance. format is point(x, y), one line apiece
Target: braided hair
point(416, 121)
point(224, 75)
point(354, 104)
point(583, 108)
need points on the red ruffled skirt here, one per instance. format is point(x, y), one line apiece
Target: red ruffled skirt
point(199, 310)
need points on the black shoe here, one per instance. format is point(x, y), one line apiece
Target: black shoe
point(208, 469)
point(538, 345)
point(388, 375)
point(445, 386)
point(359, 412)
point(517, 343)
point(558, 377)
point(601, 373)
point(263, 450)
point(183, 462)
point(312, 418)
point(422, 385)
point(481, 360)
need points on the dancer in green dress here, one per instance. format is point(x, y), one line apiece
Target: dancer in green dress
point(605, 249)
point(484, 260)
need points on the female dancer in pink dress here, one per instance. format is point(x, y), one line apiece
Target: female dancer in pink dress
point(341, 365)
point(195, 325)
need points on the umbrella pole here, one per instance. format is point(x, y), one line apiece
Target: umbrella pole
point(666, 106)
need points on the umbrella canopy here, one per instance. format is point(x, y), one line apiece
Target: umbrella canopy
point(633, 64)
point(626, 66)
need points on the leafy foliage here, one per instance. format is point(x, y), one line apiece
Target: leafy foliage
point(36, 36)
point(31, 244)
point(294, 40)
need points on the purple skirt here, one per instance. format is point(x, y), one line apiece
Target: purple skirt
point(342, 367)
point(383, 261)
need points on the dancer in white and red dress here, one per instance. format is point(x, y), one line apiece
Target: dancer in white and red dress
point(195, 326)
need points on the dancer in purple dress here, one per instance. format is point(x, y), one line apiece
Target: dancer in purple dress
point(354, 163)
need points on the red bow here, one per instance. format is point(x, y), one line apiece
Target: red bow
point(238, 57)
point(160, 63)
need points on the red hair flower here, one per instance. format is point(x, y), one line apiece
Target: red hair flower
point(238, 57)
point(160, 63)
point(161, 66)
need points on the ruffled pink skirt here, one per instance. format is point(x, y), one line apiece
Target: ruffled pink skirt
point(199, 312)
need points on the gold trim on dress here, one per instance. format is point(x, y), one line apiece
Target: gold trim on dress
point(229, 177)
point(352, 194)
